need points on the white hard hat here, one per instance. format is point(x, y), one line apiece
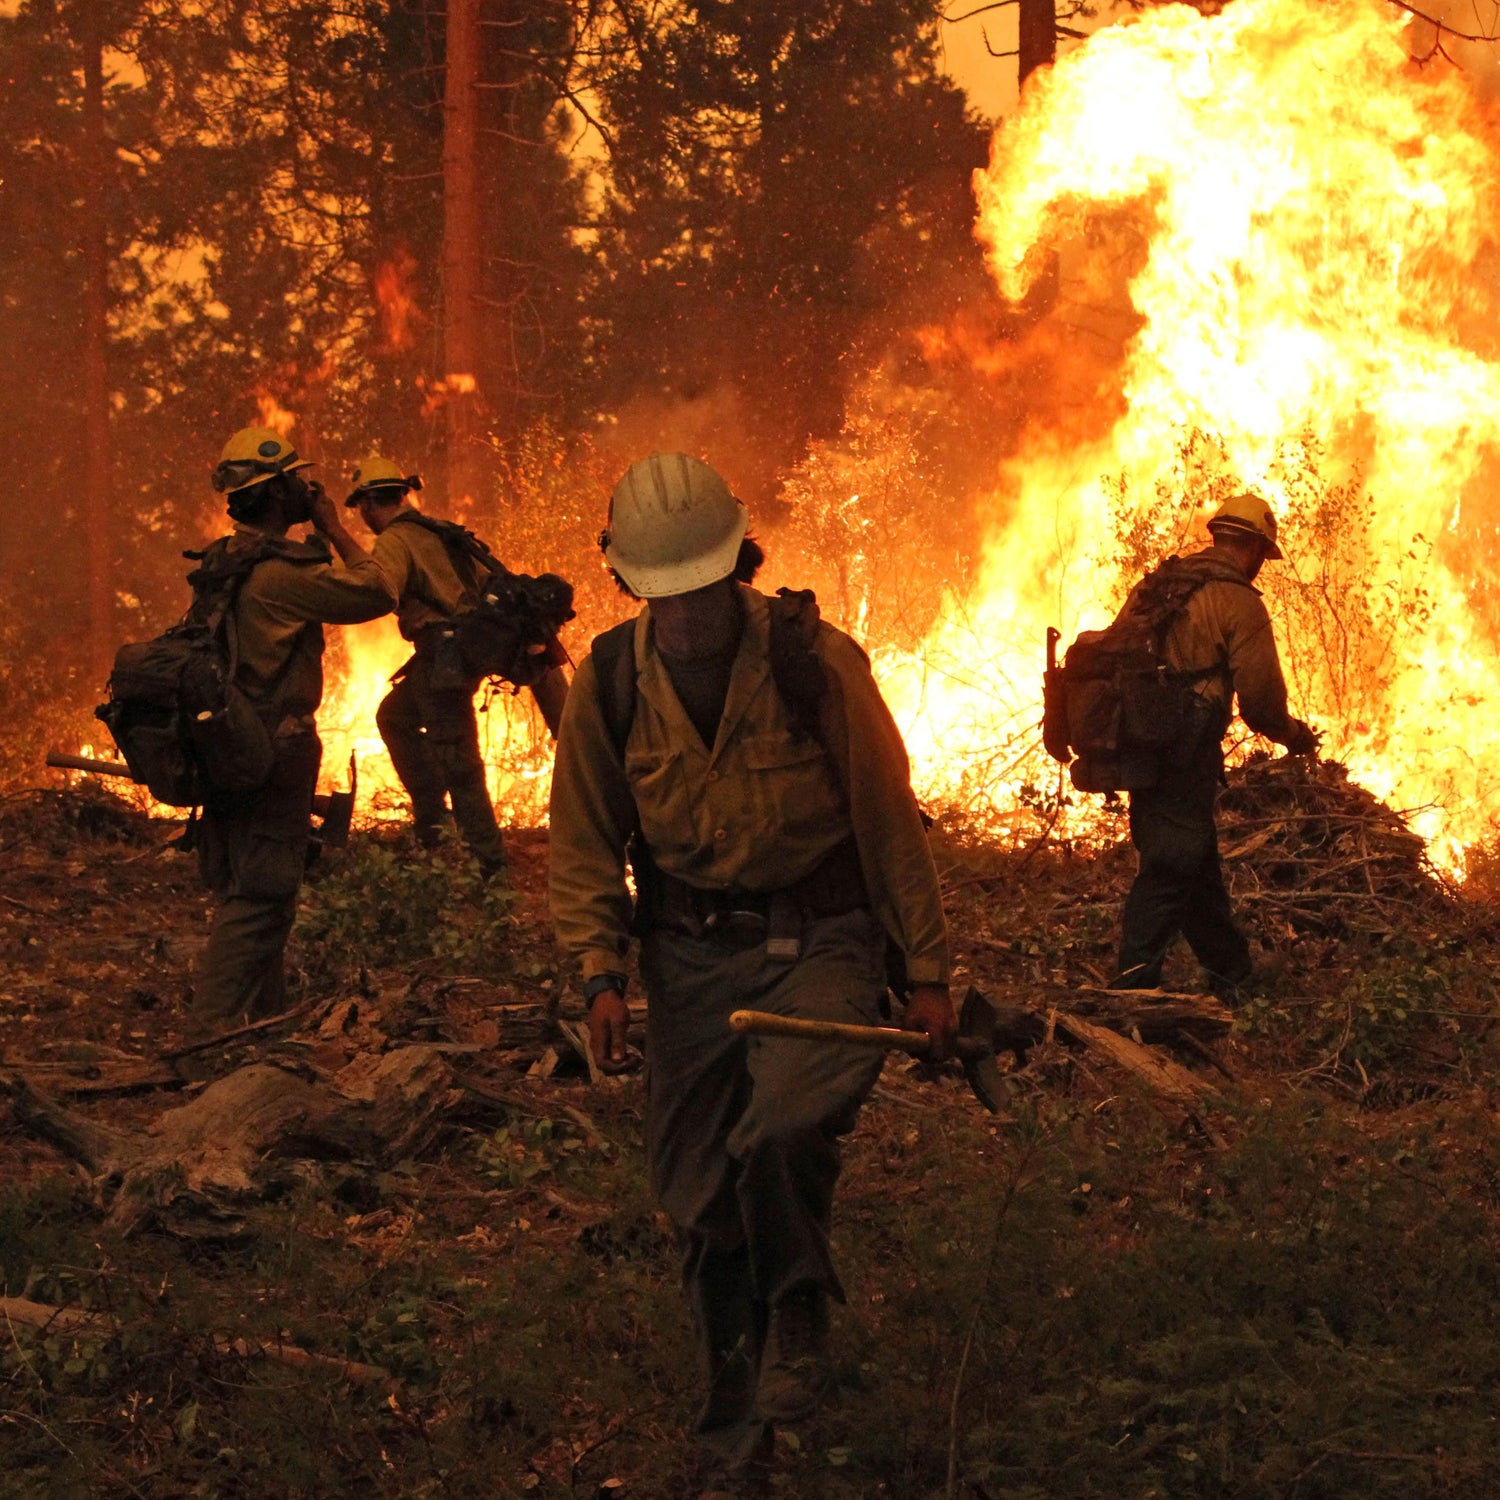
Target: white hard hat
point(674, 526)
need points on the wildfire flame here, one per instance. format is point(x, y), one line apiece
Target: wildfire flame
point(399, 312)
point(512, 735)
point(274, 415)
point(1252, 250)
point(1284, 227)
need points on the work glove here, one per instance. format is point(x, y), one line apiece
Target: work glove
point(1303, 740)
point(930, 1009)
point(321, 510)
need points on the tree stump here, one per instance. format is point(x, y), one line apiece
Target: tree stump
point(198, 1165)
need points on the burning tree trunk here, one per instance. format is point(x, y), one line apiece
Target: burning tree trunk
point(461, 243)
point(96, 334)
point(1037, 43)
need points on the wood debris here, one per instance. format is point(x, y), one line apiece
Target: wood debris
point(1304, 842)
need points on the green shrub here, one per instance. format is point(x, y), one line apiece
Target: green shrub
point(390, 904)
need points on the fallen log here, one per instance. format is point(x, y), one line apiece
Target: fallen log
point(43, 1319)
point(1158, 1072)
point(295, 1357)
point(84, 1078)
point(200, 1163)
point(1152, 1016)
point(1184, 1093)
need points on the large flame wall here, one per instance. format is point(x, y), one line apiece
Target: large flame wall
point(1292, 224)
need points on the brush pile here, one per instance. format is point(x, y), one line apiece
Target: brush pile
point(1304, 844)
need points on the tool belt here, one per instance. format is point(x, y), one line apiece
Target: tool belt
point(746, 919)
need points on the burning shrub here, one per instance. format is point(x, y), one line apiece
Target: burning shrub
point(548, 508)
point(874, 527)
point(43, 702)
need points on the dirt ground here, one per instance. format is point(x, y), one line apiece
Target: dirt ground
point(1087, 1295)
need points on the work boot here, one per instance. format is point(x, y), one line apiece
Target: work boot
point(737, 1469)
point(796, 1373)
point(1236, 988)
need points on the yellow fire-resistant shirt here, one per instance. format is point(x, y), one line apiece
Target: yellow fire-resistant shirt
point(279, 616)
point(1226, 624)
point(756, 812)
point(422, 575)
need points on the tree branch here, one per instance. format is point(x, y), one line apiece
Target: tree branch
point(978, 10)
point(1443, 26)
point(984, 32)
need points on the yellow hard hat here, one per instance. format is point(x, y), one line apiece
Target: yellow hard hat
point(1247, 514)
point(252, 455)
point(674, 526)
point(377, 473)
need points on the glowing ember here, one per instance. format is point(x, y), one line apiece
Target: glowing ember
point(1289, 225)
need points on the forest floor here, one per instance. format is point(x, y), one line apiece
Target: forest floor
point(1086, 1296)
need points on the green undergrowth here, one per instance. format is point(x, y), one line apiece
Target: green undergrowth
point(386, 903)
point(1070, 1302)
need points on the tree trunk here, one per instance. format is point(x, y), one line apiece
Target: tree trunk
point(461, 255)
point(1038, 37)
point(96, 508)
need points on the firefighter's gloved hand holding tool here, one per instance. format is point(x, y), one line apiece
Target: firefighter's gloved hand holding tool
point(976, 1041)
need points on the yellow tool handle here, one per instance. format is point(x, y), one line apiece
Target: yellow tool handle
point(764, 1023)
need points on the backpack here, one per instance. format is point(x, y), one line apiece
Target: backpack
point(174, 711)
point(1116, 713)
point(512, 631)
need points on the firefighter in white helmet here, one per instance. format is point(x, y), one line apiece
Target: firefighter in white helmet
point(252, 845)
point(1223, 639)
point(708, 741)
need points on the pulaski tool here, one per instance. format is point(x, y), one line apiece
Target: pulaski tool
point(976, 1041)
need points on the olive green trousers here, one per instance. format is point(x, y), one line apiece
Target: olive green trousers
point(432, 737)
point(252, 852)
point(742, 1132)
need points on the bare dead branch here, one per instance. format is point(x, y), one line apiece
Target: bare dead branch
point(979, 10)
point(1442, 26)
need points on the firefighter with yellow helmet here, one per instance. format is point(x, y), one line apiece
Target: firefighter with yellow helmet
point(710, 741)
point(252, 845)
point(427, 719)
point(1223, 643)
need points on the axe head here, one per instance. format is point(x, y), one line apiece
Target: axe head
point(976, 1050)
point(336, 813)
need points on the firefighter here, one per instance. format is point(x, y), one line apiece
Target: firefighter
point(427, 719)
point(252, 846)
point(710, 737)
point(1225, 635)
